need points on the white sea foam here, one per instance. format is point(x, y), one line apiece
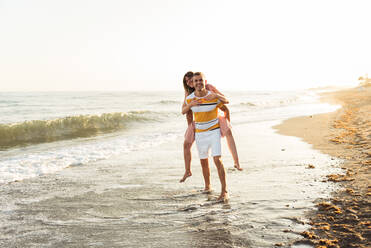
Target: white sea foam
point(35, 163)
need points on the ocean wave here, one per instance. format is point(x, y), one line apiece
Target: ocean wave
point(272, 103)
point(28, 163)
point(169, 102)
point(8, 103)
point(40, 131)
point(249, 104)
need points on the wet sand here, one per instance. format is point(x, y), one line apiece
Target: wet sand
point(135, 200)
point(344, 219)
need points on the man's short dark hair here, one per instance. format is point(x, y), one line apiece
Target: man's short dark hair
point(199, 74)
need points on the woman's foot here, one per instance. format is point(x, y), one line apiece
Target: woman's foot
point(186, 175)
point(238, 167)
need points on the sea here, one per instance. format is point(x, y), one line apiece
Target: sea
point(102, 169)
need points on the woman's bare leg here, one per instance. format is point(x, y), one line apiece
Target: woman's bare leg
point(187, 160)
point(233, 149)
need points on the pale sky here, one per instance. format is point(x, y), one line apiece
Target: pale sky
point(149, 44)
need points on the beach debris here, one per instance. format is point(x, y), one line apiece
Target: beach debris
point(343, 228)
point(344, 123)
point(310, 166)
point(366, 223)
point(338, 178)
point(283, 149)
point(326, 206)
point(322, 226)
point(354, 237)
point(349, 191)
point(278, 244)
point(349, 173)
point(328, 243)
point(308, 235)
point(346, 226)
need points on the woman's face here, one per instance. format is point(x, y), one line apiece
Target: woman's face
point(189, 81)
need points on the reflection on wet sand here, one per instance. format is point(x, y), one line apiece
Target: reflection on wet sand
point(214, 228)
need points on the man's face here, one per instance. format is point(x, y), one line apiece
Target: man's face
point(198, 82)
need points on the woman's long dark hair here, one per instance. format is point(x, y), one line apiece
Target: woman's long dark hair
point(188, 89)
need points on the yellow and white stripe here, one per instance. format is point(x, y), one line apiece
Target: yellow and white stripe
point(205, 114)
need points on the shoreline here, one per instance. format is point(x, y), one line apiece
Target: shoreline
point(344, 219)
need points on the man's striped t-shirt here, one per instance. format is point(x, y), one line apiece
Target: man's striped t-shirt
point(205, 114)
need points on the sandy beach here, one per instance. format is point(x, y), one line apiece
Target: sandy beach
point(344, 219)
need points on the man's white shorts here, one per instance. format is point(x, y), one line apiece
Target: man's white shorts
point(207, 140)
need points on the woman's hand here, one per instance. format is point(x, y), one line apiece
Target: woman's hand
point(211, 96)
point(187, 107)
point(195, 102)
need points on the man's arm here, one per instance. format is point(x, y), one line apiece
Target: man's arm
point(226, 112)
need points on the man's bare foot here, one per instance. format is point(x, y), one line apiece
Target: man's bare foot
point(238, 167)
point(186, 174)
point(223, 197)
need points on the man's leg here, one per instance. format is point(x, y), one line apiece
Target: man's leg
point(206, 173)
point(203, 148)
point(216, 153)
point(221, 173)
